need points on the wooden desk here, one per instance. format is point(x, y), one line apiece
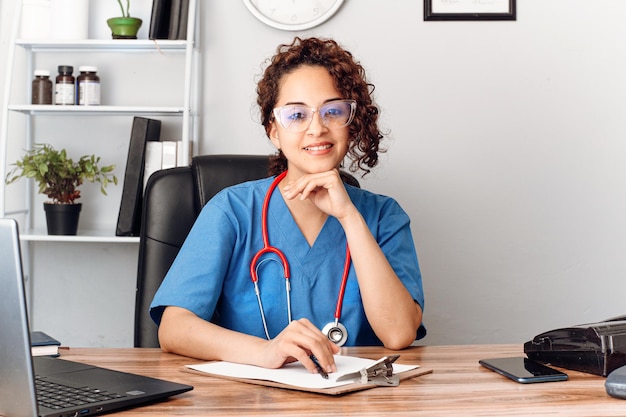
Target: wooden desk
point(458, 386)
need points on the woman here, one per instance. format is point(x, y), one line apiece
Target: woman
point(316, 109)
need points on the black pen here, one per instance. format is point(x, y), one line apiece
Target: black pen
point(319, 367)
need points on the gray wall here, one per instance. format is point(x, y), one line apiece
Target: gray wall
point(506, 147)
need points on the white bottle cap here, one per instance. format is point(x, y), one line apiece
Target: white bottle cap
point(42, 73)
point(87, 68)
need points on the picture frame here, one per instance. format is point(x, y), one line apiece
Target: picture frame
point(437, 10)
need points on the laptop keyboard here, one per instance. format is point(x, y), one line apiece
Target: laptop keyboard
point(57, 396)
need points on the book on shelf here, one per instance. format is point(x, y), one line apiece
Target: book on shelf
point(154, 159)
point(143, 131)
point(181, 158)
point(42, 344)
point(169, 152)
point(161, 155)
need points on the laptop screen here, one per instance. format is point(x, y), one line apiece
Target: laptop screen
point(17, 391)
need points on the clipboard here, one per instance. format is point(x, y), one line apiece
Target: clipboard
point(344, 388)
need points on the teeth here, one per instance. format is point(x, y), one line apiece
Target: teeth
point(317, 148)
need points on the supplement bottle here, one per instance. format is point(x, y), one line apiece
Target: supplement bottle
point(42, 88)
point(65, 87)
point(88, 86)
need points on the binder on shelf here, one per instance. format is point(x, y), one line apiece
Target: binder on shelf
point(184, 14)
point(169, 19)
point(160, 19)
point(178, 19)
point(129, 218)
point(174, 19)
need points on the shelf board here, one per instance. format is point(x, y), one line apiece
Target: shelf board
point(41, 109)
point(117, 45)
point(83, 236)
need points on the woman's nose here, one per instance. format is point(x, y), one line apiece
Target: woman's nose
point(317, 124)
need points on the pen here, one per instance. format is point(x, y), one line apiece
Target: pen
point(319, 367)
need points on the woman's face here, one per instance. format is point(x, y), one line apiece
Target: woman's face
point(319, 148)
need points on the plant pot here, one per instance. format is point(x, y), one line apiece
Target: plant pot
point(124, 27)
point(62, 219)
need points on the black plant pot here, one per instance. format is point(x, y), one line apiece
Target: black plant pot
point(62, 219)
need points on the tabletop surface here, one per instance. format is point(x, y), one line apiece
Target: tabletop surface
point(457, 386)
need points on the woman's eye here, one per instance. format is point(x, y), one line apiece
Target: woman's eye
point(332, 112)
point(297, 115)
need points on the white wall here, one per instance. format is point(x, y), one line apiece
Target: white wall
point(506, 148)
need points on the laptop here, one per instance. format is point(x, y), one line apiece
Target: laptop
point(19, 372)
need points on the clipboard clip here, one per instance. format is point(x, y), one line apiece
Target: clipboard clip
point(380, 373)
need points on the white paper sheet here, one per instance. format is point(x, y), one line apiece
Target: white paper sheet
point(294, 373)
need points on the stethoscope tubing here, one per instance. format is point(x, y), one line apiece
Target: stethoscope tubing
point(267, 248)
point(344, 282)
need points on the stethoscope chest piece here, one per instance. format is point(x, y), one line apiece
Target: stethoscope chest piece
point(336, 333)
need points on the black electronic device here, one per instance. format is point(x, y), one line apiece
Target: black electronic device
point(523, 370)
point(595, 348)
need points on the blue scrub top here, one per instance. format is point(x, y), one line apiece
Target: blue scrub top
point(211, 274)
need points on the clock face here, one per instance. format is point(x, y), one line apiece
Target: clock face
point(293, 14)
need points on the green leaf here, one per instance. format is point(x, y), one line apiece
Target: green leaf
point(57, 175)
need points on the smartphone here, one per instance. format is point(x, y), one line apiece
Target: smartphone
point(523, 370)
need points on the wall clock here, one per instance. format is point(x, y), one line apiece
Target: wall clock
point(293, 14)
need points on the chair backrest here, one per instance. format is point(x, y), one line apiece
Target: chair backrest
point(172, 201)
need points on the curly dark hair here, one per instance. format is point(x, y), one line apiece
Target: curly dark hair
point(350, 81)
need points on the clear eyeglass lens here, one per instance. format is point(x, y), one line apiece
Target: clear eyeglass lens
point(298, 117)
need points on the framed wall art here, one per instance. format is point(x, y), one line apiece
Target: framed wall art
point(469, 10)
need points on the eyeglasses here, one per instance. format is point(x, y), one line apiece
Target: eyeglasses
point(298, 117)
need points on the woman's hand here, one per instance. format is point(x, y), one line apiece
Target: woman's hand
point(183, 332)
point(390, 309)
point(325, 190)
point(297, 342)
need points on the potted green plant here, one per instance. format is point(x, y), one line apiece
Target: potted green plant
point(124, 27)
point(59, 177)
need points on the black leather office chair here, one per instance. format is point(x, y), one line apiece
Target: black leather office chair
point(172, 201)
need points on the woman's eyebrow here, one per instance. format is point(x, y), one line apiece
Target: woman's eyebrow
point(292, 103)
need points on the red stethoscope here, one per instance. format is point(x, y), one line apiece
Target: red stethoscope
point(335, 331)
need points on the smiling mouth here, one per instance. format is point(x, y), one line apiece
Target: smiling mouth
point(318, 148)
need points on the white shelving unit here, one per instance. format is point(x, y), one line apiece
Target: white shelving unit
point(186, 110)
point(94, 271)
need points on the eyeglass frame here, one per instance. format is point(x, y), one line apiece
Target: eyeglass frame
point(351, 102)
